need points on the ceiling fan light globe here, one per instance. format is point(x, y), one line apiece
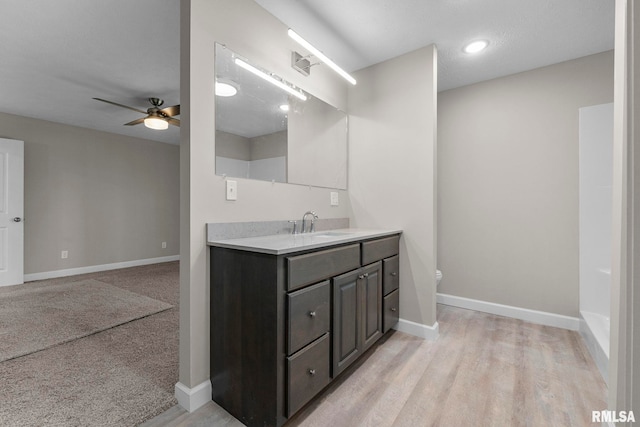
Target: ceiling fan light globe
point(156, 123)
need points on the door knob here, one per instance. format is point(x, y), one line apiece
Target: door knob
point(17, 219)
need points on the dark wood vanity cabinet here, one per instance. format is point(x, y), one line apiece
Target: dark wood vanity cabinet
point(357, 314)
point(391, 300)
point(283, 326)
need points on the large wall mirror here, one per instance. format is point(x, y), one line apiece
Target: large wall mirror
point(264, 132)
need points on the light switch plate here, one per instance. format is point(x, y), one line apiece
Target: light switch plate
point(335, 198)
point(232, 190)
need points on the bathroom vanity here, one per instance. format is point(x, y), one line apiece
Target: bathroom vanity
point(289, 313)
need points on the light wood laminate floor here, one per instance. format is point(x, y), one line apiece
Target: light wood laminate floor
point(484, 370)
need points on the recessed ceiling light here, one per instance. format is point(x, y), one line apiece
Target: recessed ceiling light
point(225, 89)
point(475, 47)
point(284, 107)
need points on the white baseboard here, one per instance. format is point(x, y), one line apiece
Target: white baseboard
point(96, 268)
point(430, 333)
point(600, 357)
point(193, 398)
point(533, 316)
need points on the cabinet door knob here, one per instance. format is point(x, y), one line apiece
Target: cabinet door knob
point(366, 274)
point(312, 372)
point(312, 314)
point(361, 276)
point(394, 274)
point(394, 309)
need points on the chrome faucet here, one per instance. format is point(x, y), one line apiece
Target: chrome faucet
point(314, 216)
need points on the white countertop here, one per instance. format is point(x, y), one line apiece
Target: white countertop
point(287, 243)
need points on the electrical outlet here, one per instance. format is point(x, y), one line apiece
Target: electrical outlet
point(164, 245)
point(64, 254)
point(232, 190)
point(335, 198)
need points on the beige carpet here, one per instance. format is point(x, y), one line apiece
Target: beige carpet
point(118, 377)
point(33, 319)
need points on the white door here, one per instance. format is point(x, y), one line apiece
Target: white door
point(11, 212)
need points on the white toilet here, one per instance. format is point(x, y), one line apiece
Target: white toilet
point(438, 278)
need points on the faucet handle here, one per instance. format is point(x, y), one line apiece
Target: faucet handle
point(295, 227)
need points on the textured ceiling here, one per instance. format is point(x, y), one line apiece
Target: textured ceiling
point(56, 55)
point(523, 34)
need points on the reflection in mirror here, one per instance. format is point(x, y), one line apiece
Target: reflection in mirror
point(263, 132)
point(251, 128)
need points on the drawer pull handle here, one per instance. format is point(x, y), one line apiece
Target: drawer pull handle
point(394, 309)
point(394, 274)
point(312, 314)
point(312, 372)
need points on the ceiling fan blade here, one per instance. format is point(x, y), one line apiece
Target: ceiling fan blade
point(120, 105)
point(135, 122)
point(171, 111)
point(173, 121)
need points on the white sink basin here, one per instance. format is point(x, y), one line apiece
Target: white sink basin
point(328, 234)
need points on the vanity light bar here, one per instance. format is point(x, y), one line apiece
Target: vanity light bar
point(321, 56)
point(239, 62)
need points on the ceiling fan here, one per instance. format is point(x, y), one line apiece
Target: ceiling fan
point(156, 118)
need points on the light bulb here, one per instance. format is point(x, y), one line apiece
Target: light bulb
point(225, 89)
point(475, 47)
point(156, 123)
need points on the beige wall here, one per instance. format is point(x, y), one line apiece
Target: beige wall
point(202, 195)
point(233, 146)
point(392, 143)
point(508, 184)
point(105, 198)
point(268, 146)
point(260, 147)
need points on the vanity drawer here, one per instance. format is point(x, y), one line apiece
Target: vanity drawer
point(390, 274)
point(308, 316)
point(390, 310)
point(307, 373)
point(310, 268)
point(375, 250)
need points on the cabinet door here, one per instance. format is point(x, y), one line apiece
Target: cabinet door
point(346, 324)
point(371, 284)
